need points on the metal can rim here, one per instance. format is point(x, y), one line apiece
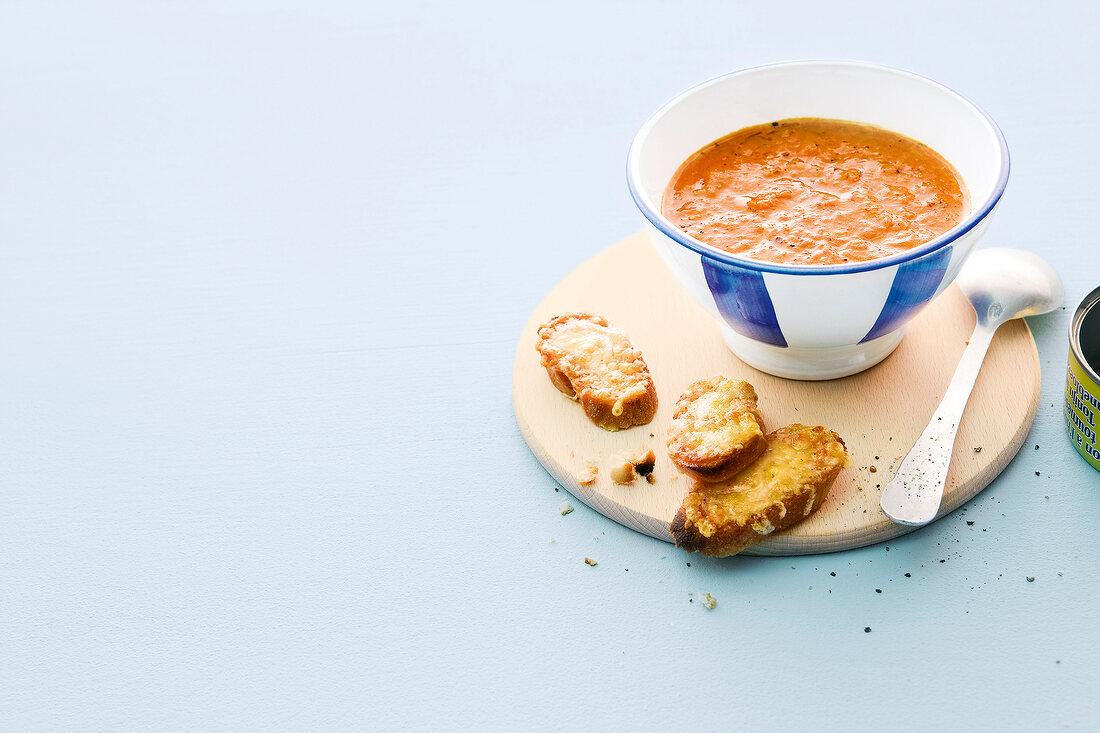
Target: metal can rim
point(1090, 301)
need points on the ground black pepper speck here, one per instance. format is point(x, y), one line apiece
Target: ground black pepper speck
point(867, 629)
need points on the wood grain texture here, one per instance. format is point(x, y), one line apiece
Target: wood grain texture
point(879, 413)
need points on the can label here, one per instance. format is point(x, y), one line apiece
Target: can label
point(1082, 411)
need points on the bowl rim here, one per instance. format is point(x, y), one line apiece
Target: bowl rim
point(665, 226)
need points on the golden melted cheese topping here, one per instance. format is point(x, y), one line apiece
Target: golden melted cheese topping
point(713, 419)
point(796, 460)
point(597, 359)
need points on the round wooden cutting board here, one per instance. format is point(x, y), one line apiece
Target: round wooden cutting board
point(879, 413)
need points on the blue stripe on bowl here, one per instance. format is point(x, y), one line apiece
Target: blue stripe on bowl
point(914, 285)
point(742, 298)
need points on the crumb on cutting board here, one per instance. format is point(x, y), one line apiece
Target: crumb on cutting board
point(588, 475)
point(629, 467)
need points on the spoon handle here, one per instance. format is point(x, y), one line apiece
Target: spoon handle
point(913, 496)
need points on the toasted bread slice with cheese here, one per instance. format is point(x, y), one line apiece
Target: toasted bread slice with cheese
point(596, 364)
point(716, 429)
point(781, 488)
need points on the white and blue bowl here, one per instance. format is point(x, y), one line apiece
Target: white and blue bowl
point(818, 321)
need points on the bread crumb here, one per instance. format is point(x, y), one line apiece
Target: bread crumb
point(709, 602)
point(565, 507)
point(632, 466)
point(590, 562)
point(623, 474)
point(588, 476)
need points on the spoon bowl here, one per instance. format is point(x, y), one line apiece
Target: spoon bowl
point(1001, 284)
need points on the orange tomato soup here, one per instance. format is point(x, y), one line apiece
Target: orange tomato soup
point(815, 192)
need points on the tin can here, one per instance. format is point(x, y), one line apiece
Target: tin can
point(1082, 379)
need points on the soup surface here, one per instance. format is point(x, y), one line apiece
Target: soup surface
point(815, 192)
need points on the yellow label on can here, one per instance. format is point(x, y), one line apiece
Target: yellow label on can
point(1082, 411)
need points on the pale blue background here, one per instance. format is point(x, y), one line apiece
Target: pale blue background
point(262, 272)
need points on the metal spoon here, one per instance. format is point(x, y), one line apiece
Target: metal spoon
point(1001, 284)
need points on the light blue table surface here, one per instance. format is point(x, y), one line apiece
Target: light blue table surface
point(263, 267)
